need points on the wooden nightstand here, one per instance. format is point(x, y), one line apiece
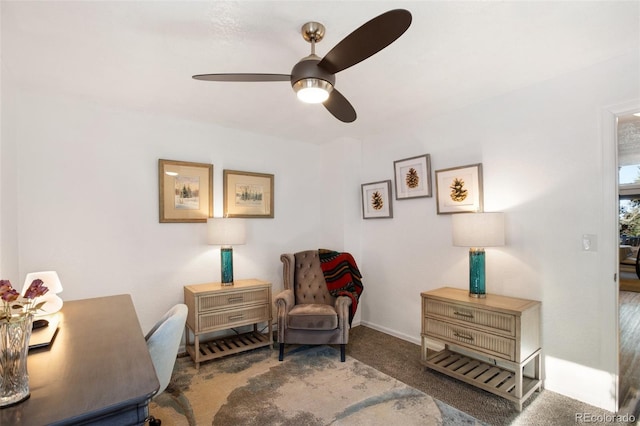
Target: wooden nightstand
point(214, 307)
point(503, 333)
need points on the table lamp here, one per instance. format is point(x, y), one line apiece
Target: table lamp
point(477, 231)
point(51, 280)
point(226, 233)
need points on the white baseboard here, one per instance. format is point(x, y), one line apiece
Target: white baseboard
point(586, 384)
point(412, 339)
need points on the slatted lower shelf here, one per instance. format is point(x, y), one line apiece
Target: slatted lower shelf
point(228, 345)
point(485, 376)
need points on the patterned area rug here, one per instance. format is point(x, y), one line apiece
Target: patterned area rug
point(310, 387)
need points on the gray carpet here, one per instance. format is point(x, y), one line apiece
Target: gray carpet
point(401, 359)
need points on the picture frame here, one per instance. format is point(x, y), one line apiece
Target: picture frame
point(413, 177)
point(185, 191)
point(459, 189)
point(248, 194)
point(376, 200)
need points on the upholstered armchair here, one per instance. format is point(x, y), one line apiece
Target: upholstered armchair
point(307, 313)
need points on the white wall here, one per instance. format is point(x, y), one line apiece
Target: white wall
point(87, 201)
point(340, 205)
point(542, 157)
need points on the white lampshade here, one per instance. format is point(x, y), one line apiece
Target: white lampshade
point(478, 229)
point(53, 303)
point(49, 278)
point(226, 231)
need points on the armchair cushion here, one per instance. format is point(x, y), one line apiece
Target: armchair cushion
point(313, 316)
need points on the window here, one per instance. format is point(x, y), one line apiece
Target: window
point(629, 207)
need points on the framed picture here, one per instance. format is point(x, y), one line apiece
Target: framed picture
point(186, 191)
point(413, 177)
point(248, 194)
point(376, 200)
point(459, 189)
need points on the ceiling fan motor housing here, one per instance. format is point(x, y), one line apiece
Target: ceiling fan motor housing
point(308, 68)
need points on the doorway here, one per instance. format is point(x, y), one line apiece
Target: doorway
point(628, 160)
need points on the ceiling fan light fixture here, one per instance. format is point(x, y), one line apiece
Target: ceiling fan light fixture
point(312, 90)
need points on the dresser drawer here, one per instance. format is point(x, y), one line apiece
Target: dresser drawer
point(496, 322)
point(231, 318)
point(488, 343)
point(236, 298)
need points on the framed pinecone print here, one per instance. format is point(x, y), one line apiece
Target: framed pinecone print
point(376, 200)
point(459, 189)
point(413, 177)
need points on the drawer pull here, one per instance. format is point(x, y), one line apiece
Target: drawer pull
point(463, 314)
point(463, 336)
point(236, 317)
point(236, 299)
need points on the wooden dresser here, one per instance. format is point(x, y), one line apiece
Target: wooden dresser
point(214, 307)
point(492, 343)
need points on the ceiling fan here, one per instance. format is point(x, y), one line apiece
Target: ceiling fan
point(313, 78)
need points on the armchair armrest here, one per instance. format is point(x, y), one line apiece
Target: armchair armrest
point(342, 306)
point(284, 301)
point(288, 268)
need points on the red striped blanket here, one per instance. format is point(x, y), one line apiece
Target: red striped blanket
point(342, 276)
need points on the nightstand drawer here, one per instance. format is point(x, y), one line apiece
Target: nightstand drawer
point(230, 318)
point(231, 299)
point(494, 321)
point(490, 344)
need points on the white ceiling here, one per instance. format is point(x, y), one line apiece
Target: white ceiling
point(142, 54)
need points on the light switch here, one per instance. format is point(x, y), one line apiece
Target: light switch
point(589, 242)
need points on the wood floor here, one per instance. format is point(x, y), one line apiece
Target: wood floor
point(629, 284)
point(629, 346)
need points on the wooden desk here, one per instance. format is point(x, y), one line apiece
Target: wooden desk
point(97, 370)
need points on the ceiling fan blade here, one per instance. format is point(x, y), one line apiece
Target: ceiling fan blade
point(367, 40)
point(243, 77)
point(340, 107)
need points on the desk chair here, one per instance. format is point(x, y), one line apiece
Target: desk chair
point(163, 341)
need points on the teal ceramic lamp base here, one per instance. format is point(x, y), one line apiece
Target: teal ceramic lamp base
point(476, 273)
point(226, 265)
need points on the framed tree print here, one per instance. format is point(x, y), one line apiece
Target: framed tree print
point(413, 177)
point(185, 191)
point(376, 200)
point(248, 194)
point(459, 189)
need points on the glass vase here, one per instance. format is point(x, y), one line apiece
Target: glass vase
point(14, 348)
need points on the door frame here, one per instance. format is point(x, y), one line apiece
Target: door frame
point(608, 126)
